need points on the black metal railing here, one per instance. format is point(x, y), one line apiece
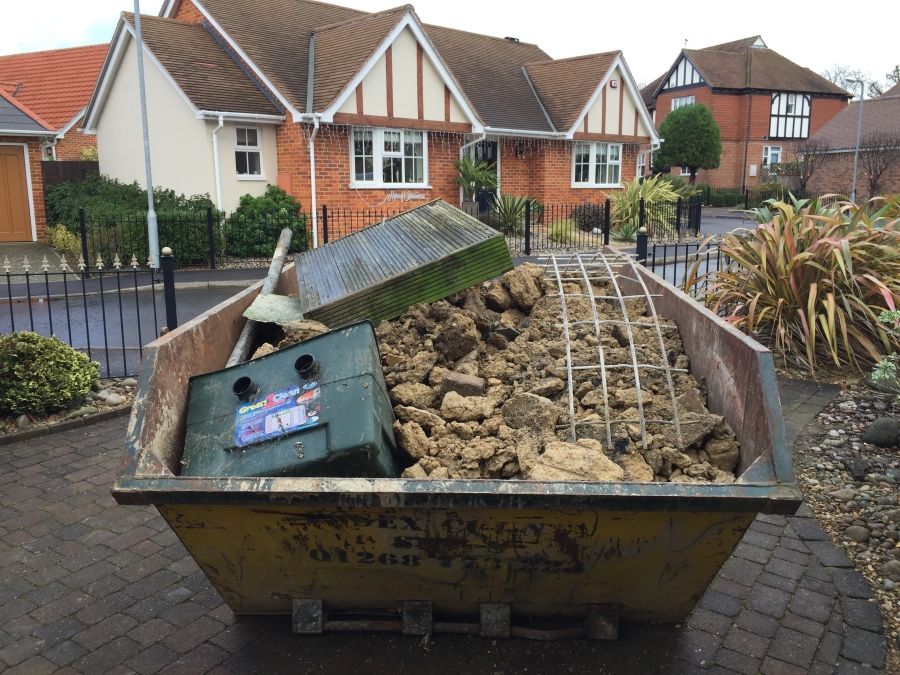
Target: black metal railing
point(673, 261)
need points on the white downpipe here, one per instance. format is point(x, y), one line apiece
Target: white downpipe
point(312, 181)
point(215, 141)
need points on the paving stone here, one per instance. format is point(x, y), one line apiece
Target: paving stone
point(791, 555)
point(823, 587)
point(20, 627)
point(104, 631)
point(761, 540)
point(757, 623)
point(741, 571)
point(152, 660)
point(819, 668)
point(108, 656)
point(829, 554)
point(199, 660)
point(785, 568)
point(772, 666)
point(817, 571)
point(803, 625)
point(812, 605)
point(781, 583)
point(64, 653)
point(863, 647)
point(767, 528)
point(697, 647)
point(771, 519)
point(767, 600)
point(36, 665)
point(20, 650)
point(731, 588)
point(862, 614)
point(808, 529)
point(829, 648)
point(734, 662)
point(745, 642)
point(59, 631)
point(720, 603)
point(193, 635)
point(849, 668)
point(234, 638)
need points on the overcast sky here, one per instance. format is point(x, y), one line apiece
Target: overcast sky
point(814, 34)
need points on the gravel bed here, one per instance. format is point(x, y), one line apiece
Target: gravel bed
point(853, 487)
point(105, 394)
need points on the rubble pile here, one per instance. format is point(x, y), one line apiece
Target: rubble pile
point(479, 384)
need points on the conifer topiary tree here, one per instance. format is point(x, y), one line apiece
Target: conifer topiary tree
point(691, 138)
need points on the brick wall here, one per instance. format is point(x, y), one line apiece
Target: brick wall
point(743, 120)
point(539, 169)
point(187, 11)
point(837, 176)
point(37, 181)
point(70, 146)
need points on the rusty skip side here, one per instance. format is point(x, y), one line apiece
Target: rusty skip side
point(740, 376)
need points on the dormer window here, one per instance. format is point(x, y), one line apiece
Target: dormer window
point(790, 116)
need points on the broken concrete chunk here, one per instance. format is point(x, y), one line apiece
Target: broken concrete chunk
point(497, 298)
point(298, 331)
point(423, 418)
point(522, 288)
point(466, 408)
point(692, 401)
point(462, 384)
point(531, 412)
point(547, 386)
point(581, 461)
point(412, 439)
point(723, 454)
point(413, 394)
point(264, 348)
point(458, 338)
point(415, 472)
point(636, 467)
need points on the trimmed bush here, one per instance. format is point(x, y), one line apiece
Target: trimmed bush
point(63, 242)
point(255, 225)
point(562, 231)
point(587, 217)
point(734, 199)
point(716, 200)
point(39, 374)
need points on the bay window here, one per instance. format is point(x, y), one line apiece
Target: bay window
point(389, 157)
point(596, 164)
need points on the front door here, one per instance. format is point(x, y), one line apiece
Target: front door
point(486, 150)
point(15, 214)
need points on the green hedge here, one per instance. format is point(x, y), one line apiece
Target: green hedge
point(716, 200)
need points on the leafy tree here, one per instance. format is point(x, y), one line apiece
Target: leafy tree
point(691, 138)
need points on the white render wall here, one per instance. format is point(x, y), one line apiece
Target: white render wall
point(181, 151)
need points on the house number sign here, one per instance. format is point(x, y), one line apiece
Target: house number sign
point(405, 196)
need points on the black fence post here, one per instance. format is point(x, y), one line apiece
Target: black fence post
point(324, 224)
point(168, 270)
point(606, 221)
point(642, 238)
point(84, 247)
point(211, 236)
point(707, 195)
point(678, 206)
point(746, 200)
point(641, 214)
point(527, 227)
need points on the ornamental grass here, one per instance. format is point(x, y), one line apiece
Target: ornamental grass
point(809, 282)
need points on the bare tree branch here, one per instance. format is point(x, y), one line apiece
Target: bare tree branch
point(812, 155)
point(878, 152)
point(841, 76)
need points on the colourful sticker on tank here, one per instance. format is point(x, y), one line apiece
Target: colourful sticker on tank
point(277, 414)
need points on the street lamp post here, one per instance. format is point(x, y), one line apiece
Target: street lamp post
point(152, 225)
point(862, 95)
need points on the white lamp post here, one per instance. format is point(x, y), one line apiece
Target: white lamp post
point(152, 226)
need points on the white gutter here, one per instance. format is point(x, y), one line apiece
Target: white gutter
point(235, 116)
point(525, 133)
point(215, 142)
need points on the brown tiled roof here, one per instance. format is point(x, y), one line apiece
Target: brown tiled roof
point(342, 49)
point(489, 70)
point(207, 74)
point(57, 83)
point(893, 91)
point(648, 92)
point(879, 116)
point(275, 35)
point(736, 46)
point(566, 85)
point(756, 68)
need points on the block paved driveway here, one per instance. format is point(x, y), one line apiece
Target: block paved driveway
point(87, 586)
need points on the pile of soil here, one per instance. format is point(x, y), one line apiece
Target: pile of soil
point(476, 400)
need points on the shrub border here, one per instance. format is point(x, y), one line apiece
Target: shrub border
point(38, 430)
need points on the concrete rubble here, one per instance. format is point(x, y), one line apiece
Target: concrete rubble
point(479, 384)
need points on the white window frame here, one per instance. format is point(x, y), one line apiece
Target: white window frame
point(592, 167)
point(685, 171)
point(767, 154)
point(790, 115)
point(641, 165)
point(682, 101)
point(378, 154)
point(248, 149)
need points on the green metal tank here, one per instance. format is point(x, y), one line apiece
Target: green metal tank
point(319, 408)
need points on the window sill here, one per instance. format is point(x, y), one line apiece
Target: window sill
point(399, 187)
point(249, 177)
point(588, 186)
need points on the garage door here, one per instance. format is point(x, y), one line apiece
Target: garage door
point(15, 214)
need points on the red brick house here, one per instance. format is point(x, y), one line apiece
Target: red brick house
point(23, 134)
point(56, 84)
point(881, 120)
point(764, 104)
point(355, 109)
